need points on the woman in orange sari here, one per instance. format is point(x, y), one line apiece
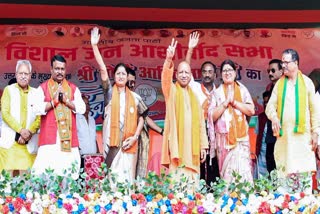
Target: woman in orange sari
point(228, 127)
point(124, 118)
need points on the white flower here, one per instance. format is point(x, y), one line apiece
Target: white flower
point(35, 207)
point(174, 201)
point(45, 203)
point(1, 200)
point(62, 196)
point(29, 195)
point(185, 200)
point(210, 197)
point(36, 195)
point(110, 197)
point(7, 189)
point(1, 178)
point(180, 195)
point(163, 208)
point(135, 209)
point(126, 198)
point(23, 211)
point(45, 197)
point(118, 195)
point(74, 207)
point(150, 204)
point(52, 208)
point(76, 195)
point(209, 206)
point(284, 211)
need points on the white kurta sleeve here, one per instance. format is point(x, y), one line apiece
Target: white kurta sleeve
point(39, 105)
point(80, 106)
point(271, 108)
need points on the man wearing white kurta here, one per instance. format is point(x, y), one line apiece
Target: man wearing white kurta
point(295, 118)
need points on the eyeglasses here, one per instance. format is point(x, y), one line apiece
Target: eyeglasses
point(227, 71)
point(272, 70)
point(286, 62)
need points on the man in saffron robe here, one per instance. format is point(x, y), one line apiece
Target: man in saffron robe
point(295, 119)
point(185, 140)
point(58, 101)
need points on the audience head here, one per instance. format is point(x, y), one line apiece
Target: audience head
point(131, 83)
point(85, 99)
point(183, 74)
point(228, 71)
point(209, 72)
point(290, 62)
point(23, 73)
point(275, 70)
point(121, 75)
point(58, 68)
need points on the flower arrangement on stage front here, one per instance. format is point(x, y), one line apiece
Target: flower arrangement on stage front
point(50, 193)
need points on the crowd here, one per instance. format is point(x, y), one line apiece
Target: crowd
point(206, 125)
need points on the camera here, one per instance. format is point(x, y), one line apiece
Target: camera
point(60, 97)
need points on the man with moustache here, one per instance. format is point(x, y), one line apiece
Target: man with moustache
point(58, 101)
point(184, 139)
point(295, 117)
point(275, 72)
point(209, 169)
point(19, 139)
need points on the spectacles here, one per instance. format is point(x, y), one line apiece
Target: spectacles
point(227, 71)
point(286, 62)
point(272, 70)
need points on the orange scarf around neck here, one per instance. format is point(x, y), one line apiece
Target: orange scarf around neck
point(238, 127)
point(130, 117)
point(205, 104)
point(180, 115)
point(62, 114)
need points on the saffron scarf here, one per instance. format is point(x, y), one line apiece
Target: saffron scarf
point(238, 127)
point(205, 104)
point(300, 102)
point(62, 114)
point(180, 114)
point(130, 117)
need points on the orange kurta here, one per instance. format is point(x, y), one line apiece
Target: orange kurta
point(170, 147)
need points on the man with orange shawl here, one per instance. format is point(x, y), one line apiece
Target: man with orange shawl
point(295, 119)
point(185, 138)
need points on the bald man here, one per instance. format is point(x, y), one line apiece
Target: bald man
point(185, 140)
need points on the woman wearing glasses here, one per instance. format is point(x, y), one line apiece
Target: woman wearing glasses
point(124, 118)
point(229, 106)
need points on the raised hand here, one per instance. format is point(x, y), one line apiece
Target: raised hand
point(193, 40)
point(95, 36)
point(171, 49)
